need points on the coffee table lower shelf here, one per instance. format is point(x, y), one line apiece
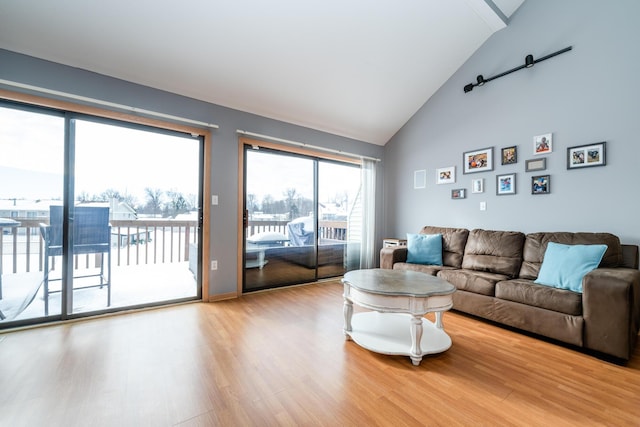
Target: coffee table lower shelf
point(390, 333)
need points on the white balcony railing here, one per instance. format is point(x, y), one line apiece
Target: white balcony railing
point(152, 241)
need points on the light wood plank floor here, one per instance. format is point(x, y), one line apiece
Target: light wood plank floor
point(279, 358)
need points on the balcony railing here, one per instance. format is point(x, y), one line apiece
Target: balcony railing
point(147, 241)
point(134, 242)
point(330, 230)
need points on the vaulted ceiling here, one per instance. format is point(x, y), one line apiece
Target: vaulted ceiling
point(355, 68)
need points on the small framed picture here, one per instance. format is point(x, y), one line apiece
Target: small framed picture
point(446, 175)
point(509, 155)
point(584, 156)
point(477, 185)
point(478, 160)
point(541, 184)
point(535, 164)
point(458, 193)
point(506, 184)
point(542, 144)
point(419, 179)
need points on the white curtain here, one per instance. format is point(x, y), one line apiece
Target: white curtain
point(368, 244)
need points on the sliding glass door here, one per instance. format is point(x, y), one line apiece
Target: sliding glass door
point(301, 218)
point(32, 169)
point(100, 215)
point(280, 219)
point(147, 182)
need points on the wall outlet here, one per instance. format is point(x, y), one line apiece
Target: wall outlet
point(483, 206)
point(214, 264)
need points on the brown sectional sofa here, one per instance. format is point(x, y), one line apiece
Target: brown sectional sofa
point(494, 273)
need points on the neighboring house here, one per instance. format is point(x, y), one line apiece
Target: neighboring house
point(117, 210)
point(16, 208)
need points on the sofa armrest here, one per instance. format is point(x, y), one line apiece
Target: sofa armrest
point(630, 256)
point(611, 310)
point(391, 255)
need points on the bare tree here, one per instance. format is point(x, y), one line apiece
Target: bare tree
point(290, 196)
point(129, 199)
point(84, 197)
point(268, 204)
point(252, 202)
point(154, 199)
point(177, 203)
point(108, 194)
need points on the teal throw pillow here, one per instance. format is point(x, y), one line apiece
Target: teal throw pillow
point(564, 266)
point(424, 249)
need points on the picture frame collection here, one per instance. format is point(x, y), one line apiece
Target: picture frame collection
point(482, 160)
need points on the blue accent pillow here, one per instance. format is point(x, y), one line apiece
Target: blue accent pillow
point(564, 266)
point(424, 249)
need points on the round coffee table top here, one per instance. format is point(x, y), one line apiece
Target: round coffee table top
point(397, 282)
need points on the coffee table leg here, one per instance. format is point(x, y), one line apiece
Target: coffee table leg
point(416, 338)
point(348, 314)
point(439, 319)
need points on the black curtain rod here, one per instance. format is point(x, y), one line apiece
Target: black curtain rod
point(528, 63)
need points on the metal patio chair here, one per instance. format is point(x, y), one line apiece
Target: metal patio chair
point(91, 234)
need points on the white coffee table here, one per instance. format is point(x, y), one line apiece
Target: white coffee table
point(399, 300)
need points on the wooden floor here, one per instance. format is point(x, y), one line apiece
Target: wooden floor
point(279, 358)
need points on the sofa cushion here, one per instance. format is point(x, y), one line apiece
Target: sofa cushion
point(424, 249)
point(479, 282)
point(564, 266)
point(535, 246)
point(527, 292)
point(453, 243)
point(494, 251)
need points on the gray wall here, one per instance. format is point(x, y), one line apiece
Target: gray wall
point(587, 95)
point(28, 70)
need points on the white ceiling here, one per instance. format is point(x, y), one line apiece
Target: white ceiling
point(356, 68)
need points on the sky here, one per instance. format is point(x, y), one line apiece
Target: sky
point(107, 157)
point(273, 174)
point(129, 160)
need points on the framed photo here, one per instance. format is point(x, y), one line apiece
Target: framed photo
point(506, 184)
point(535, 164)
point(477, 185)
point(584, 156)
point(446, 175)
point(459, 193)
point(541, 184)
point(420, 179)
point(478, 160)
point(542, 144)
point(509, 155)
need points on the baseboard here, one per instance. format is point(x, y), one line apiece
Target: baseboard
point(222, 297)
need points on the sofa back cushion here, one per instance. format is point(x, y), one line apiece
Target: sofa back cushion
point(453, 243)
point(535, 246)
point(494, 251)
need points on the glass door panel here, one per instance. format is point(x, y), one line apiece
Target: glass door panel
point(135, 216)
point(31, 180)
point(340, 218)
point(280, 219)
